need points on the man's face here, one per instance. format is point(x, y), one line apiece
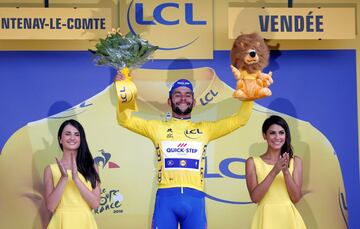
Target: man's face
point(182, 101)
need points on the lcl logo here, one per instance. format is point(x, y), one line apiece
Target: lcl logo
point(125, 95)
point(159, 18)
point(208, 97)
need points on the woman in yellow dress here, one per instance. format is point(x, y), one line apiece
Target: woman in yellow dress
point(274, 179)
point(72, 184)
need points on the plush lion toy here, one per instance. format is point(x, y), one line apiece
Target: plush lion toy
point(249, 56)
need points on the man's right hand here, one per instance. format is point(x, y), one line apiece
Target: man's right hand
point(119, 76)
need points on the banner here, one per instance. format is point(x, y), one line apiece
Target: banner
point(293, 23)
point(54, 23)
point(180, 29)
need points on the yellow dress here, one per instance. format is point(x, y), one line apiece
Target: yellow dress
point(72, 212)
point(275, 210)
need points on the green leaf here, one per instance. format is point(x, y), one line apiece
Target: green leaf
point(123, 51)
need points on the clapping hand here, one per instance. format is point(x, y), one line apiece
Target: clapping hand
point(74, 170)
point(61, 168)
point(286, 158)
point(282, 163)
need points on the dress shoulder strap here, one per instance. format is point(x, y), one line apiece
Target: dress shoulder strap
point(257, 161)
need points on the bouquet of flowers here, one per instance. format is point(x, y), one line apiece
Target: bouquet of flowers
point(123, 53)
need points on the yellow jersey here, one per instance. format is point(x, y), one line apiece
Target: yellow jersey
point(181, 144)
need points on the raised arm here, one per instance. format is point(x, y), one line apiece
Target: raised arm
point(136, 124)
point(125, 108)
point(294, 182)
point(227, 125)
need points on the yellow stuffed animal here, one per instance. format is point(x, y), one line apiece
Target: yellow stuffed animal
point(249, 56)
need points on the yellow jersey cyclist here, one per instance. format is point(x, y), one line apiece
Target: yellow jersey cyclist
point(180, 145)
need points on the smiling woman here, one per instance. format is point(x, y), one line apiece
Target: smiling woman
point(71, 198)
point(274, 179)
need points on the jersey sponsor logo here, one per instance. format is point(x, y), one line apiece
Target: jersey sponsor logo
point(169, 133)
point(182, 144)
point(193, 133)
point(181, 154)
point(170, 162)
point(182, 149)
point(181, 163)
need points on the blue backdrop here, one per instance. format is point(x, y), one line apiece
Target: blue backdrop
point(318, 86)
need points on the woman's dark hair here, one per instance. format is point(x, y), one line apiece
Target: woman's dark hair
point(274, 119)
point(84, 159)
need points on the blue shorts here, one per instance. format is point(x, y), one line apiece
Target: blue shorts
point(184, 206)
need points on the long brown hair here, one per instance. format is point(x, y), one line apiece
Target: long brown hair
point(84, 159)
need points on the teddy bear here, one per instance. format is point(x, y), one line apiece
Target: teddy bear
point(249, 56)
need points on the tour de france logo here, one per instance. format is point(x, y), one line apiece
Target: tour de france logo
point(110, 201)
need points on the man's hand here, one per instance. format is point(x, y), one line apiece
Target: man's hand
point(119, 76)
